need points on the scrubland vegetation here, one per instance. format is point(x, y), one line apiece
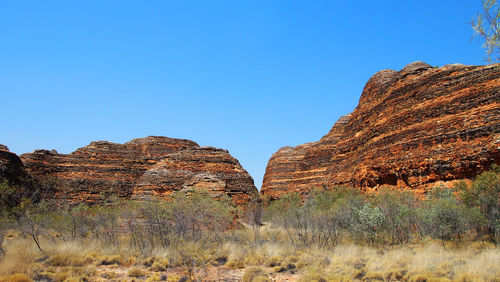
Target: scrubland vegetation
point(331, 235)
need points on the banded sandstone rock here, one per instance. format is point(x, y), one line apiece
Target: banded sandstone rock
point(411, 129)
point(139, 169)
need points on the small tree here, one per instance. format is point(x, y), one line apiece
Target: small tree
point(369, 220)
point(66, 223)
point(443, 217)
point(487, 25)
point(398, 209)
point(280, 212)
point(484, 194)
point(251, 214)
point(29, 219)
point(198, 216)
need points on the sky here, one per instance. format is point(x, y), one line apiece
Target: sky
point(247, 76)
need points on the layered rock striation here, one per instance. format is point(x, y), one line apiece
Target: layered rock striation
point(411, 129)
point(139, 169)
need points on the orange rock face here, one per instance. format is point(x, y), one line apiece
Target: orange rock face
point(139, 169)
point(411, 129)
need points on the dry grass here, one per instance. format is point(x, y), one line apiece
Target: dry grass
point(136, 272)
point(245, 259)
point(17, 277)
point(254, 274)
point(20, 258)
point(430, 262)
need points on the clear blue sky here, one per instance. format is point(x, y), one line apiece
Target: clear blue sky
point(247, 76)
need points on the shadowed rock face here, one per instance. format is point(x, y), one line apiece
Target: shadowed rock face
point(411, 129)
point(11, 167)
point(139, 169)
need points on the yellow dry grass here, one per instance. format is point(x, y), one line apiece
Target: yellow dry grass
point(20, 258)
point(430, 261)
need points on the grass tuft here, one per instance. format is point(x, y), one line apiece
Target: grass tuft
point(17, 277)
point(136, 272)
point(254, 274)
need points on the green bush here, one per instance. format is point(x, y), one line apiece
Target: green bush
point(369, 220)
point(399, 217)
point(443, 217)
point(484, 194)
point(322, 219)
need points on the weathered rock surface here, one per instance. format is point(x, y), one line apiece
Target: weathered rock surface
point(19, 184)
point(139, 169)
point(11, 167)
point(411, 129)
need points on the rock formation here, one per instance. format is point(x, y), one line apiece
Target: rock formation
point(139, 169)
point(15, 183)
point(411, 129)
point(11, 167)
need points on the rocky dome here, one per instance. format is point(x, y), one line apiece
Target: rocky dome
point(139, 169)
point(411, 129)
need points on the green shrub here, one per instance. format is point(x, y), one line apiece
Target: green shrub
point(443, 217)
point(484, 194)
point(369, 221)
point(398, 208)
